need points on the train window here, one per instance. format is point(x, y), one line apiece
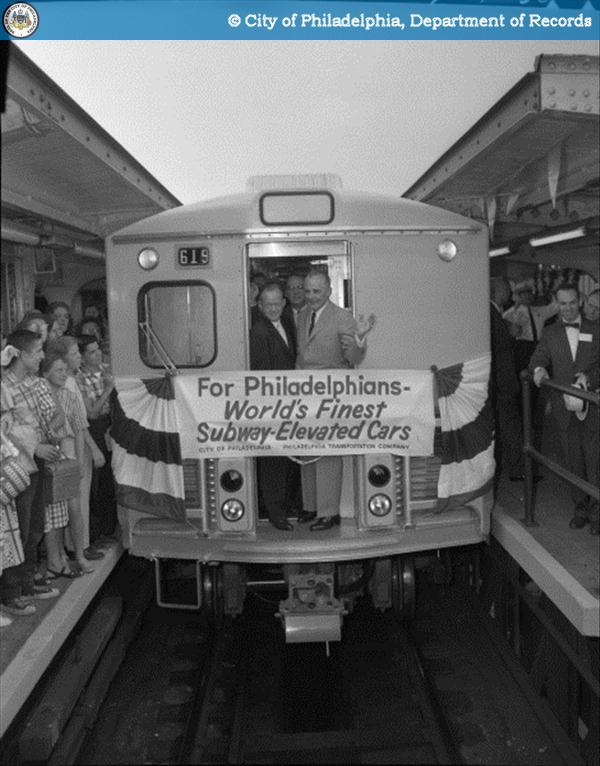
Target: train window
point(277, 260)
point(177, 324)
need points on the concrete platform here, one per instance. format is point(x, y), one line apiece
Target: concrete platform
point(563, 562)
point(29, 644)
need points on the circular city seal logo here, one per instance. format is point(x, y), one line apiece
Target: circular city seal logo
point(20, 20)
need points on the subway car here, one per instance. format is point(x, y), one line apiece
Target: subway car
point(178, 286)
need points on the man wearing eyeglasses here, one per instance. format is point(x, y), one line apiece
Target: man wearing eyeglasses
point(568, 353)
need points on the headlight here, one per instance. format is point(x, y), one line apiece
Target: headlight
point(148, 258)
point(380, 505)
point(232, 510)
point(379, 475)
point(447, 250)
point(231, 480)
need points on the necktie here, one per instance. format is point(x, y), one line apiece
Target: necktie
point(311, 327)
point(571, 324)
point(534, 336)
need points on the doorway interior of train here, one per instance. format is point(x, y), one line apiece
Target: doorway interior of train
point(277, 261)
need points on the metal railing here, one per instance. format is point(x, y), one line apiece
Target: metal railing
point(530, 454)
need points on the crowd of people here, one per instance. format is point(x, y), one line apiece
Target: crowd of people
point(555, 339)
point(55, 390)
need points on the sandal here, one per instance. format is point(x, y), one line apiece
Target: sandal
point(66, 572)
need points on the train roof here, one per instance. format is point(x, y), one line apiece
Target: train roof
point(352, 211)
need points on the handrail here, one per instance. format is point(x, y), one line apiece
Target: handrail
point(530, 453)
point(155, 342)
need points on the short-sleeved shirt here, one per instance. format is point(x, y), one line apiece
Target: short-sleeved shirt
point(71, 385)
point(92, 386)
point(74, 409)
point(34, 408)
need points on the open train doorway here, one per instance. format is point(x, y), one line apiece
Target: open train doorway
point(277, 261)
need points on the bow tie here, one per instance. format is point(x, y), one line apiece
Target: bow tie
point(571, 324)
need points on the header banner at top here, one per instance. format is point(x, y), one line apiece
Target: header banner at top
point(282, 20)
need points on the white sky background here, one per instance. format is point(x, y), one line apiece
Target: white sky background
point(203, 116)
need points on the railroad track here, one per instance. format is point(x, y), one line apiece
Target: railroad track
point(193, 691)
point(268, 702)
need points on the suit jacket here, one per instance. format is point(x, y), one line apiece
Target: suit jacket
point(268, 350)
point(288, 313)
point(287, 320)
point(323, 350)
point(554, 354)
point(504, 383)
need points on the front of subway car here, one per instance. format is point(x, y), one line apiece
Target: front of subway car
point(410, 423)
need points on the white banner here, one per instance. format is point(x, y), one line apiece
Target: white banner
point(305, 412)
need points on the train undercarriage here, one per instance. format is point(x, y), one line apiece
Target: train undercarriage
point(313, 598)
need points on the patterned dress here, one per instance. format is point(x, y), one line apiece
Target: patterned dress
point(11, 547)
point(57, 514)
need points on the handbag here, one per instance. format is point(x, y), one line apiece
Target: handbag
point(13, 479)
point(61, 480)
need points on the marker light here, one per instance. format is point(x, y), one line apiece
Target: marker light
point(148, 258)
point(231, 480)
point(447, 250)
point(379, 475)
point(380, 505)
point(232, 510)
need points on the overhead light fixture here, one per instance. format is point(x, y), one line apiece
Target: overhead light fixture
point(562, 236)
point(499, 251)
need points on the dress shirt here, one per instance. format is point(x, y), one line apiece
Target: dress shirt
point(573, 336)
point(279, 327)
point(317, 315)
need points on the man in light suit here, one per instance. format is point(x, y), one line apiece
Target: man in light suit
point(328, 338)
point(273, 347)
point(568, 351)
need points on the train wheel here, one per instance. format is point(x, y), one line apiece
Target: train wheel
point(403, 587)
point(233, 589)
point(212, 591)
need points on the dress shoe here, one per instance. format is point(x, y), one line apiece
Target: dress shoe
point(305, 516)
point(577, 522)
point(325, 522)
point(282, 524)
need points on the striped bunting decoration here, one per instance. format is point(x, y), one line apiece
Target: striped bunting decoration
point(467, 437)
point(146, 458)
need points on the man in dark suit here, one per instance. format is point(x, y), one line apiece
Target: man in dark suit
point(328, 338)
point(504, 387)
point(568, 351)
point(272, 347)
point(256, 283)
